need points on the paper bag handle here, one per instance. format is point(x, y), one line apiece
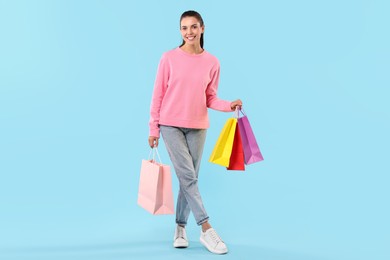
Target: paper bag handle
point(237, 112)
point(154, 151)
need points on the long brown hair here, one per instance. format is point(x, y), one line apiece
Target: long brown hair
point(195, 14)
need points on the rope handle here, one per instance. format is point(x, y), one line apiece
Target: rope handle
point(237, 112)
point(154, 151)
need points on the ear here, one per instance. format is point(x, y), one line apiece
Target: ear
point(203, 28)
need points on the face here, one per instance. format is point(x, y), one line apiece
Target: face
point(191, 30)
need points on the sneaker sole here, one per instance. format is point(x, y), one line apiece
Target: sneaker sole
point(180, 245)
point(211, 249)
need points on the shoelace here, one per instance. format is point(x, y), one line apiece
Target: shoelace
point(180, 232)
point(215, 237)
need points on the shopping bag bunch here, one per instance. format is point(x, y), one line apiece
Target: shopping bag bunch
point(236, 144)
point(155, 186)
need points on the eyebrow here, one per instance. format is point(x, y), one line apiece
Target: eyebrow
point(190, 25)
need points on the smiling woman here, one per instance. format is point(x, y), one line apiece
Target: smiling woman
point(192, 28)
point(186, 85)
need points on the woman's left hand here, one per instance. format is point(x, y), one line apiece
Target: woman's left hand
point(235, 103)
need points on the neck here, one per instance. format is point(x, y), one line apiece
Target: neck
point(192, 49)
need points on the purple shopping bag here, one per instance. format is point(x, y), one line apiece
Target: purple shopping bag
point(252, 152)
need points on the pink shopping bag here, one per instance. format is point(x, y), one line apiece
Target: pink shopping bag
point(155, 187)
point(252, 152)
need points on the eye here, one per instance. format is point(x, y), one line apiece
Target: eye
point(194, 26)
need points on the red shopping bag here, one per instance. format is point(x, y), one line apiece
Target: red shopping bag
point(155, 187)
point(237, 156)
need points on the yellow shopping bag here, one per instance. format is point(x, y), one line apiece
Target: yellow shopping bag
point(223, 148)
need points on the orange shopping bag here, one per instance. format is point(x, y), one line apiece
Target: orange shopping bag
point(155, 187)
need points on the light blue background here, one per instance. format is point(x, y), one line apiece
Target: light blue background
point(76, 79)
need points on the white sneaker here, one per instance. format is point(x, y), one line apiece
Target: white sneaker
point(213, 242)
point(180, 239)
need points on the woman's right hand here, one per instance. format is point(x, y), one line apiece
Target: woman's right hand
point(153, 141)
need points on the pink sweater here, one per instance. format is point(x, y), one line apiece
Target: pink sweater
point(186, 85)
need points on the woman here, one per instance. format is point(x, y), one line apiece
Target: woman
point(186, 85)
